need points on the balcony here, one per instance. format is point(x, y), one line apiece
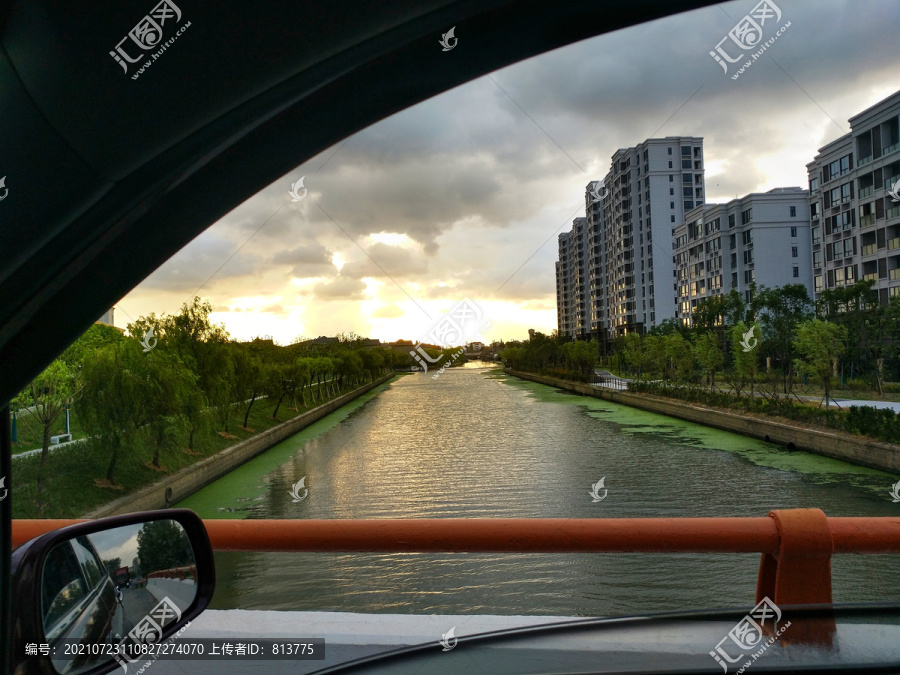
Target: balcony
point(870, 249)
point(893, 212)
point(865, 221)
point(894, 274)
point(863, 161)
point(870, 277)
point(889, 149)
point(866, 191)
point(893, 243)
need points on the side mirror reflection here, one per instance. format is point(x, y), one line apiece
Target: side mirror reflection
point(110, 588)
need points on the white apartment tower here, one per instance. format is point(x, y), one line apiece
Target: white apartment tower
point(644, 196)
point(759, 238)
point(855, 206)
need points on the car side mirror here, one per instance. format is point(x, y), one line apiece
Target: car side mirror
point(88, 598)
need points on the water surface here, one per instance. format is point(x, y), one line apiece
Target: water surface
point(476, 443)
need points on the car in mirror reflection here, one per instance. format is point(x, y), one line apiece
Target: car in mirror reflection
point(106, 587)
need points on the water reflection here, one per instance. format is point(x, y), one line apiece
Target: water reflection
point(475, 443)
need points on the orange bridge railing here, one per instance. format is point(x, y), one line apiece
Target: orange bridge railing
point(796, 545)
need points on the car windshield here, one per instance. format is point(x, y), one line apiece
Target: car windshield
point(651, 275)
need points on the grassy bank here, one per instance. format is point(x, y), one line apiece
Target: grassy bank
point(29, 432)
point(70, 488)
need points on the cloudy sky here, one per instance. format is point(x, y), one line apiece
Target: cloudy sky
point(464, 194)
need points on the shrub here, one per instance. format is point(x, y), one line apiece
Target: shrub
point(882, 424)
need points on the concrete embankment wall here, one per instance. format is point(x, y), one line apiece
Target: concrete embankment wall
point(189, 480)
point(834, 444)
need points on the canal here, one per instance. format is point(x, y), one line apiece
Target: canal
point(476, 443)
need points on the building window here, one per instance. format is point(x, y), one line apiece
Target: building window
point(813, 184)
point(795, 252)
point(796, 272)
point(731, 220)
point(670, 151)
point(746, 216)
point(673, 218)
point(672, 192)
point(794, 231)
point(670, 164)
point(747, 237)
point(671, 177)
point(793, 212)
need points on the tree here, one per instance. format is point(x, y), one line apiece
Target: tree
point(679, 360)
point(884, 335)
point(709, 356)
point(45, 399)
point(631, 348)
point(781, 310)
point(734, 309)
point(162, 545)
point(113, 398)
point(96, 337)
point(581, 356)
point(303, 370)
point(821, 344)
point(112, 564)
point(202, 347)
point(668, 327)
point(170, 392)
point(709, 313)
point(248, 380)
point(850, 307)
point(745, 360)
point(656, 359)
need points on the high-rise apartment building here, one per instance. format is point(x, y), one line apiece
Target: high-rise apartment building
point(572, 305)
point(760, 238)
point(855, 206)
point(630, 216)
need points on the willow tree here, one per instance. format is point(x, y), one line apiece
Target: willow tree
point(45, 400)
point(114, 397)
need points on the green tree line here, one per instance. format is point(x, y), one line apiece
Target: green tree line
point(189, 376)
point(773, 339)
point(780, 335)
